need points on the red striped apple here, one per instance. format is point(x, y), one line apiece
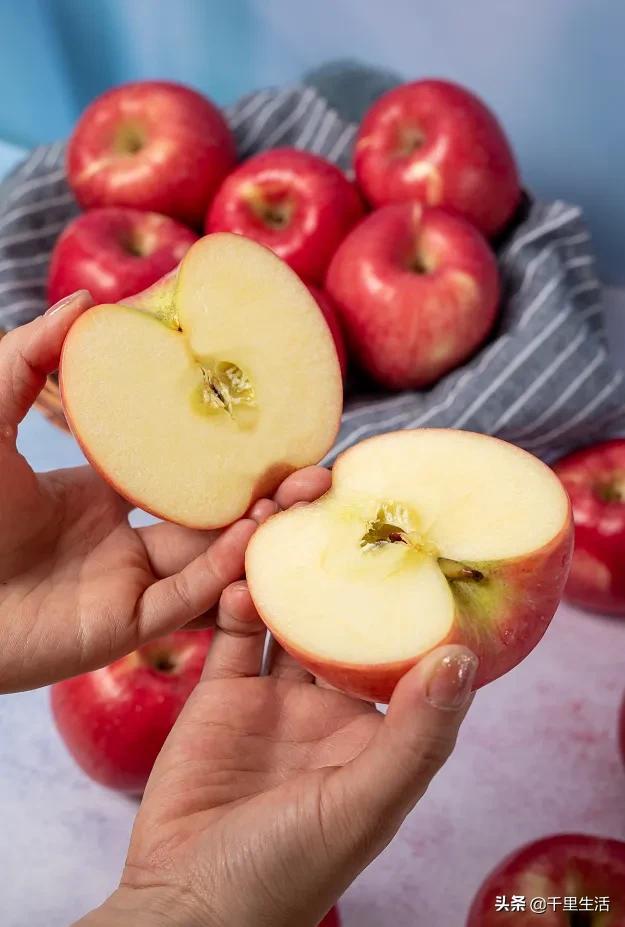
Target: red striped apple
point(294, 202)
point(584, 870)
point(436, 142)
point(417, 290)
point(114, 252)
point(427, 537)
point(203, 394)
point(115, 720)
point(151, 145)
point(594, 478)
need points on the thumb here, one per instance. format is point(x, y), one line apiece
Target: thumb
point(29, 353)
point(383, 783)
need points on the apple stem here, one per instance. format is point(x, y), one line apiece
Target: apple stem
point(453, 570)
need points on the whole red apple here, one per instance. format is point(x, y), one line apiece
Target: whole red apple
point(115, 720)
point(294, 202)
point(150, 145)
point(595, 480)
point(583, 869)
point(417, 290)
point(331, 316)
point(436, 142)
point(115, 252)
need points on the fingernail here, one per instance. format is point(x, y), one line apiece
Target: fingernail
point(62, 303)
point(451, 680)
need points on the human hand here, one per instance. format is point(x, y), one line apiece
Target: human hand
point(272, 794)
point(78, 586)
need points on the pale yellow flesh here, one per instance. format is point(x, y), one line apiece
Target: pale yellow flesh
point(461, 496)
point(131, 385)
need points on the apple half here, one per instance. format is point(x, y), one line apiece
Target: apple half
point(200, 395)
point(426, 537)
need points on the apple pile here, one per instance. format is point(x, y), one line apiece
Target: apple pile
point(398, 260)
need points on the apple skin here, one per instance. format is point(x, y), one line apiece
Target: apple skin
point(115, 720)
point(594, 478)
point(576, 865)
point(332, 318)
point(331, 919)
point(113, 252)
point(526, 593)
point(436, 142)
point(408, 327)
point(296, 203)
point(151, 145)
point(622, 729)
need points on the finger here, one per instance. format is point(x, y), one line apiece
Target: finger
point(284, 666)
point(237, 647)
point(175, 601)
point(171, 547)
point(261, 510)
point(410, 746)
point(30, 353)
point(303, 486)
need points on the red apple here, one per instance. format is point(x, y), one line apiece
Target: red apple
point(436, 142)
point(150, 145)
point(426, 538)
point(331, 316)
point(115, 720)
point(115, 252)
point(581, 868)
point(331, 919)
point(417, 290)
point(294, 202)
point(595, 480)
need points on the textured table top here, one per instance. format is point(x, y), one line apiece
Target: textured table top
point(537, 755)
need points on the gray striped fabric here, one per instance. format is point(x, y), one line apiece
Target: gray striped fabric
point(544, 381)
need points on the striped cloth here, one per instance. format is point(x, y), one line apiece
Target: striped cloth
point(544, 381)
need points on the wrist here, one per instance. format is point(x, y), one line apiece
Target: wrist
point(158, 906)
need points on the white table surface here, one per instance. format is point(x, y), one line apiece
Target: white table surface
point(538, 754)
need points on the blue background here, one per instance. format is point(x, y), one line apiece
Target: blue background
point(553, 70)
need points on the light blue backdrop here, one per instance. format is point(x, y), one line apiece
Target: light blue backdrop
point(553, 69)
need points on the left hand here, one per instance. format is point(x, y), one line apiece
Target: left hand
point(78, 586)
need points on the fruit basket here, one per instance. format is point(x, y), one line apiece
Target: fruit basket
point(543, 380)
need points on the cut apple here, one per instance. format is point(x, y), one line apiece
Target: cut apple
point(202, 394)
point(426, 537)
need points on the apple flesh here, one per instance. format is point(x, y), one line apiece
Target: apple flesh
point(565, 865)
point(426, 538)
point(114, 721)
point(114, 252)
point(195, 403)
point(436, 142)
point(152, 145)
point(594, 478)
point(294, 202)
point(417, 290)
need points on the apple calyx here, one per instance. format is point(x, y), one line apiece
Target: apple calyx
point(411, 139)
point(129, 139)
point(612, 490)
point(274, 207)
